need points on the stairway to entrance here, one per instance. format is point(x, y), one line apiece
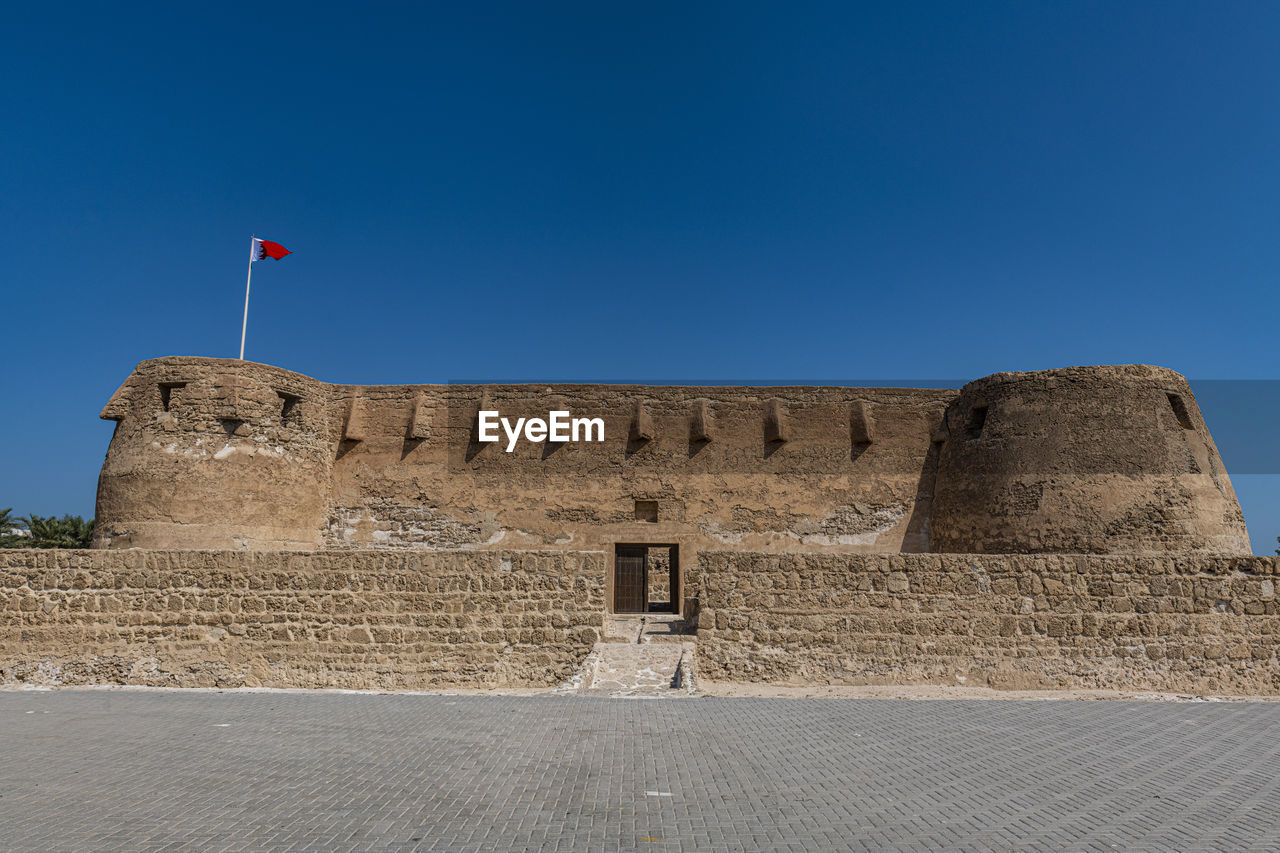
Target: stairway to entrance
point(642, 655)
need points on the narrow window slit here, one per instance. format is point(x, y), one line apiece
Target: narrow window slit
point(1180, 412)
point(166, 393)
point(288, 408)
point(977, 420)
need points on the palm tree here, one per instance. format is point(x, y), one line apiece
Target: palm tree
point(9, 527)
point(70, 531)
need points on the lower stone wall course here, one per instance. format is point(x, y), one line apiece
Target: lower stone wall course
point(406, 620)
point(1177, 623)
point(353, 620)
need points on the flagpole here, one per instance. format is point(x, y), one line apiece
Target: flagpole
point(245, 324)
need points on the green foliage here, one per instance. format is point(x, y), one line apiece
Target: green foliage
point(70, 531)
point(9, 524)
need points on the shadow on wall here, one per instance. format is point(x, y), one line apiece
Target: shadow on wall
point(916, 539)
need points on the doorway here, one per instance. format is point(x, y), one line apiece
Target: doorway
point(646, 578)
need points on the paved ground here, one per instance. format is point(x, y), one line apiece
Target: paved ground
point(124, 770)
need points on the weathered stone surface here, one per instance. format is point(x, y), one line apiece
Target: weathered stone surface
point(207, 454)
point(359, 619)
point(1104, 460)
point(298, 480)
point(451, 562)
point(1159, 622)
point(287, 619)
point(218, 453)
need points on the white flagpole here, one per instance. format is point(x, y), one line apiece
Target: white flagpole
point(245, 325)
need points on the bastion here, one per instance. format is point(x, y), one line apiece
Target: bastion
point(1071, 527)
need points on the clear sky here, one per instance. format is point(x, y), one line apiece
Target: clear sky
point(658, 191)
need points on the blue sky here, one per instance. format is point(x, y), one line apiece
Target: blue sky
point(764, 192)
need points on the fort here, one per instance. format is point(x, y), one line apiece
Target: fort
point(1059, 528)
point(212, 453)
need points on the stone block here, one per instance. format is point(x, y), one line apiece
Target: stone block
point(777, 429)
point(641, 427)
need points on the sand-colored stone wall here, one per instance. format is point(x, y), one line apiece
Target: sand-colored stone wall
point(412, 620)
point(207, 454)
point(1082, 460)
point(219, 453)
point(1168, 623)
point(281, 619)
point(226, 454)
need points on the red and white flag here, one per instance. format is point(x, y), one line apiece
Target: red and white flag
point(262, 249)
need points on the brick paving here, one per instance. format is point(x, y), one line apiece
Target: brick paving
point(126, 770)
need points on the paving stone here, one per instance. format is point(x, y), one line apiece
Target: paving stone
point(152, 771)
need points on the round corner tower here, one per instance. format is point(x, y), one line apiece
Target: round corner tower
point(1107, 459)
point(215, 453)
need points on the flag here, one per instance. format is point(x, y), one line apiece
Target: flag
point(261, 249)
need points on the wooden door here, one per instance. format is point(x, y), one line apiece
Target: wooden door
point(630, 579)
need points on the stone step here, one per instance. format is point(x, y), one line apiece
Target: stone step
point(635, 669)
point(647, 628)
point(666, 629)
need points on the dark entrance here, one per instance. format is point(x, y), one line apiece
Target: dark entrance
point(646, 579)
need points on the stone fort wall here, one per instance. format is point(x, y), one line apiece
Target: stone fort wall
point(1157, 622)
point(218, 453)
point(400, 620)
point(392, 620)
